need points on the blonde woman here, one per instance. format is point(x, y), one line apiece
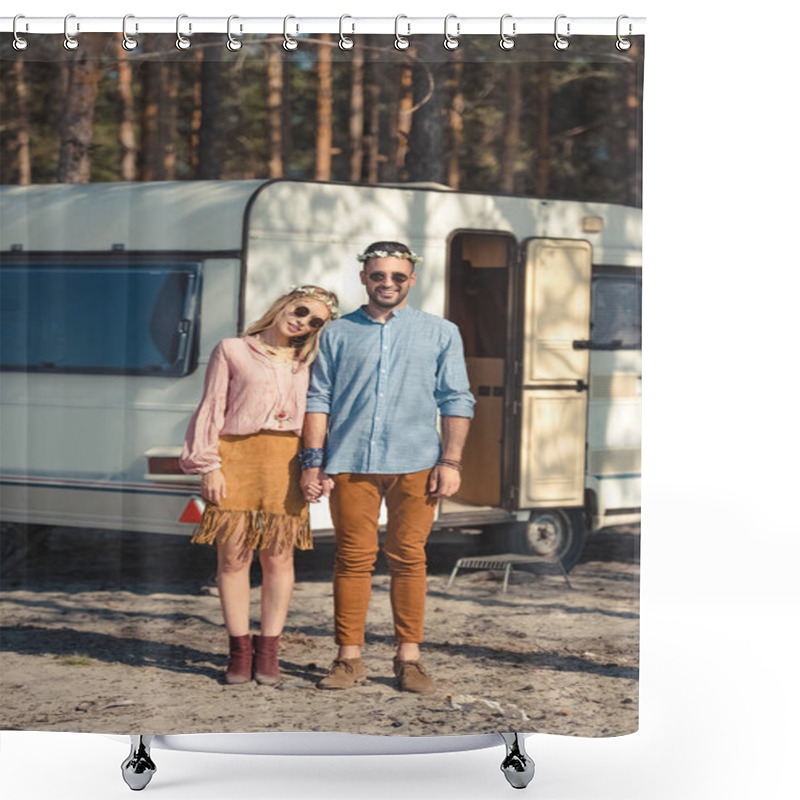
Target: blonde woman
point(244, 440)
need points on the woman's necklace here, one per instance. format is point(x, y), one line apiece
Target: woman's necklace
point(280, 352)
point(284, 355)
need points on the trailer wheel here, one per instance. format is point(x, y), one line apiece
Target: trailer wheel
point(558, 531)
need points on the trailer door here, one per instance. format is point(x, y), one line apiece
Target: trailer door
point(554, 372)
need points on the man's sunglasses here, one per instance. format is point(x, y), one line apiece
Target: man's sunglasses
point(303, 311)
point(380, 277)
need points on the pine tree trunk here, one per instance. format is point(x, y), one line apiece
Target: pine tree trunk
point(400, 122)
point(425, 147)
point(215, 79)
point(511, 130)
point(168, 121)
point(543, 135)
point(75, 157)
point(275, 84)
point(288, 112)
point(23, 127)
point(197, 114)
point(324, 111)
point(456, 123)
point(149, 126)
point(357, 116)
point(127, 138)
point(372, 139)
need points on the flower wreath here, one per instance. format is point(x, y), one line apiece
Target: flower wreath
point(304, 291)
point(412, 257)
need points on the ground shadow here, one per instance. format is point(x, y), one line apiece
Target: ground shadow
point(105, 648)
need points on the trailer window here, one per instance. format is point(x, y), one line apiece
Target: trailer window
point(616, 309)
point(90, 318)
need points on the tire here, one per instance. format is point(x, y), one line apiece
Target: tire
point(551, 531)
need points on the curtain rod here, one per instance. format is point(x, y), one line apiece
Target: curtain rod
point(452, 26)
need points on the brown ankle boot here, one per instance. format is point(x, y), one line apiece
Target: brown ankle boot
point(240, 664)
point(412, 677)
point(266, 660)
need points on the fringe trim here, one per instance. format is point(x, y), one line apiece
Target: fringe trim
point(262, 529)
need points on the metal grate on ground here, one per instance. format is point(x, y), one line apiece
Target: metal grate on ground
point(506, 563)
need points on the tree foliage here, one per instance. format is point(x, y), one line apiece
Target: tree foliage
point(530, 121)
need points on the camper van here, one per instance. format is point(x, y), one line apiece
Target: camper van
point(113, 296)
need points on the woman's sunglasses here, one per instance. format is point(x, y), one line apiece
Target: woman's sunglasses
point(303, 311)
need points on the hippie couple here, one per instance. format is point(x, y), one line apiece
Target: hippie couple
point(363, 392)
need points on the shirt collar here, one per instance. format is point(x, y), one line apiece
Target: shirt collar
point(398, 312)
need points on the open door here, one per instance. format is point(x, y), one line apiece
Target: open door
point(479, 269)
point(554, 373)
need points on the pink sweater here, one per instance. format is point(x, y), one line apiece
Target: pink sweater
point(245, 392)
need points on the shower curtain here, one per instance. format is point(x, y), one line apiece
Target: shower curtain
point(156, 200)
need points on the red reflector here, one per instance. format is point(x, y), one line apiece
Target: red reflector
point(193, 511)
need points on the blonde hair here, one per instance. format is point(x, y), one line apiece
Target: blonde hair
point(307, 346)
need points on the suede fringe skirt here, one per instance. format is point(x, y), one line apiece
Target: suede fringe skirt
point(263, 502)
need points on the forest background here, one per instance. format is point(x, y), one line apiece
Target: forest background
point(530, 121)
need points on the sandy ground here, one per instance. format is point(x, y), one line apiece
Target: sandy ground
point(122, 633)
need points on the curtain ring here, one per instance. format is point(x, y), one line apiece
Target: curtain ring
point(401, 42)
point(451, 42)
point(182, 42)
point(19, 43)
point(623, 43)
point(233, 44)
point(70, 42)
point(507, 41)
point(129, 42)
point(345, 42)
point(561, 42)
point(288, 43)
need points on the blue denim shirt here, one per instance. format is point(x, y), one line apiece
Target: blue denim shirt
point(382, 384)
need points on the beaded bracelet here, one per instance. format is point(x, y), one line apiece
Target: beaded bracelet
point(311, 457)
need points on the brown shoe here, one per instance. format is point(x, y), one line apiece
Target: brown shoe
point(265, 661)
point(411, 677)
point(240, 663)
point(344, 673)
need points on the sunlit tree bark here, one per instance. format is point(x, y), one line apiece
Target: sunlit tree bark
point(22, 125)
point(357, 116)
point(197, 113)
point(455, 119)
point(372, 140)
point(324, 111)
point(400, 121)
point(75, 157)
point(127, 136)
point(275, 84)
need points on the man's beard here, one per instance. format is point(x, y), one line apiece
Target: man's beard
point(386, 302)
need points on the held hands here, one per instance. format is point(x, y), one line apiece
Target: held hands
point(315, 484)
point(213, 486)
point(444, 481)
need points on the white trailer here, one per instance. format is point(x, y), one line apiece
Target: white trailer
point(113, 296)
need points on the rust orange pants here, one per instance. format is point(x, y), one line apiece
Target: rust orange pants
point(355, 507)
